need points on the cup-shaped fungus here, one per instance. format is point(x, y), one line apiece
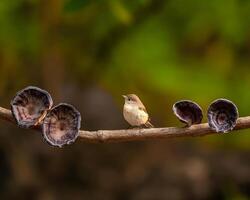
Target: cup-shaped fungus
point(30, 106)
point(222, 115)
point(188, 112)
point(61, 125)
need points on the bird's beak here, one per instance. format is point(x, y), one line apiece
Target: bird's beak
point(124, 96)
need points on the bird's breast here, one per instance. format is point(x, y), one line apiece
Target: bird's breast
point(134, 116)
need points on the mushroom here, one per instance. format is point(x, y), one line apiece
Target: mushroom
point(222, 115)
point(61, 125)
point(30, 106)
point(188, 112)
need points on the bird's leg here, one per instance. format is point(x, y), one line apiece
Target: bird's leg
point(131, 127)
point(134, 127)
point(142, 126)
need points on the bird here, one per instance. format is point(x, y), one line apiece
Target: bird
point(135, 112)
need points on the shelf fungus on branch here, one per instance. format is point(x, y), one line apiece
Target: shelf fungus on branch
point(188, 112)
point(61, 125)
point(30, 106)
point(222, 115)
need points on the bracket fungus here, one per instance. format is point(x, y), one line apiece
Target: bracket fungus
point(30, 106)
point(222, 115)
point(188, 112)
point(61, 125)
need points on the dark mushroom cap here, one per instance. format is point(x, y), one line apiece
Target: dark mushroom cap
point(222, 115)
point(30, 106)
point(61, 125)
point(188, 112)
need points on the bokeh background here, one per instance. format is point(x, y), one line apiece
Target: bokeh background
point(89, 53)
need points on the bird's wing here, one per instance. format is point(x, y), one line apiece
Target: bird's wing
point(143, 108)
point(148, 124)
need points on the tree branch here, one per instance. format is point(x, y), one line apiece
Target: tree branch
point(106, 136)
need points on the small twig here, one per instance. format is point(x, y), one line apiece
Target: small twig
point(106, 136)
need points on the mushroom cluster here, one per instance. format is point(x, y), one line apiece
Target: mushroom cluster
point(32, 107)
point(222, 114)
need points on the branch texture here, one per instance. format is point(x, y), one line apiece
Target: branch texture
point(104, 136)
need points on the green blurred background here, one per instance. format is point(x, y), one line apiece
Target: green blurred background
point(89, 53)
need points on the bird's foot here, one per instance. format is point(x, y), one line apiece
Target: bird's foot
point(135, 127)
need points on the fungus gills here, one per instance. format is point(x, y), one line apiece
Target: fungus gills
point(30, 106)
point(61, 125)
point(188, 112)
point(222, 115)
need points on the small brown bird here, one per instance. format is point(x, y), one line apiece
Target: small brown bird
point(135, 112)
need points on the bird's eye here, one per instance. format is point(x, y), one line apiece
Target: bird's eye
point(129, 99)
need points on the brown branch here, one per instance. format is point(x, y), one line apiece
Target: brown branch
point(141, 134)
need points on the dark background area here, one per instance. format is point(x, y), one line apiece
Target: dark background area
point(89, 53)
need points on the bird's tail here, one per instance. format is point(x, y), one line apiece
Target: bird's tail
point(149, 125)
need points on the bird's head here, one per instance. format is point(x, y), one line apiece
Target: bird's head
point(131, 99)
